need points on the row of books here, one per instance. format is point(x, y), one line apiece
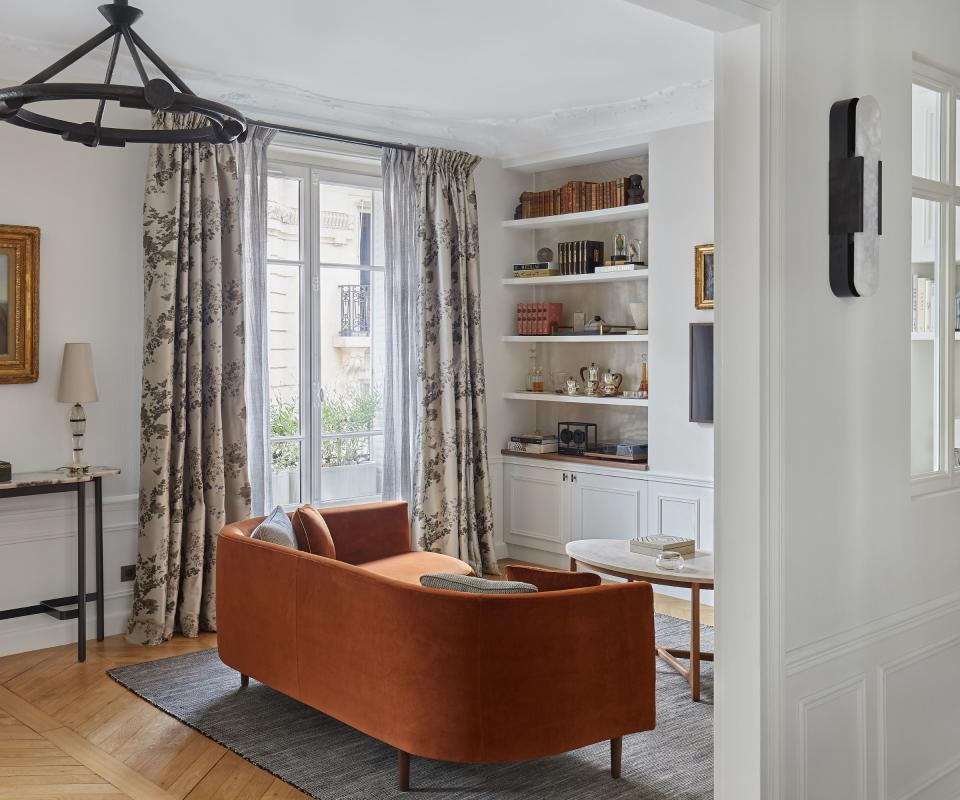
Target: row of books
point(574, 196)
point(581, 257)
point(924, 315)
point(538, 319)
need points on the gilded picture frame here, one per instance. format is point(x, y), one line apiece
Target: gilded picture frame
point(19, 303)
point(703, 276)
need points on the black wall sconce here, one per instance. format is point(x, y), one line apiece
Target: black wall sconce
point(856, 197)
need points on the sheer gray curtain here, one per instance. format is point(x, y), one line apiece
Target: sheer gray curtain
point(252, 167)
point(401, 282)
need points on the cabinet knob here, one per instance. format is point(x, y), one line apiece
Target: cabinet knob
point(564, 476)
point(573, 478)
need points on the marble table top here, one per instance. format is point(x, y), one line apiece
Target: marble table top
point(615, 555)
point(21, 480)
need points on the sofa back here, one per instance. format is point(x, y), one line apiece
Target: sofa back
point(360, 533)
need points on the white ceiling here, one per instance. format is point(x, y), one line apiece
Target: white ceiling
point(502, 75)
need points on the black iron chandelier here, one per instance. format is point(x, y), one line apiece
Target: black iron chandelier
point(222, 123)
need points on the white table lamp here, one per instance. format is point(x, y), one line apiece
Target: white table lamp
point(77, 386)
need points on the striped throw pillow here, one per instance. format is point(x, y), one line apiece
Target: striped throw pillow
point(470, 583)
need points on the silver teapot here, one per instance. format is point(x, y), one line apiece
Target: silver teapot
point(610, 383)
point(591, 379)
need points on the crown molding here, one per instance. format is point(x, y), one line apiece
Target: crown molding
point(511, 138)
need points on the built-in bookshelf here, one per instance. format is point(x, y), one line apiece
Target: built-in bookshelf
point(605, 294)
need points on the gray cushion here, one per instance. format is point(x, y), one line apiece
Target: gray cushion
point(469, 583)
point(276, 529)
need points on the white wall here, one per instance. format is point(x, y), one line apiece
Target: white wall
point(88, 205)
point(872, 597)
point(681, 217)
point(505, 365)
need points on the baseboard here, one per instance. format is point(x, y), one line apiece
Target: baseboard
point(40, 631)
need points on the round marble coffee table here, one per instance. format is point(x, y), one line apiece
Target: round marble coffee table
point(614, 557)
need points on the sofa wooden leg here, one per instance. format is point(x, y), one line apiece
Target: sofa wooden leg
point(403, 771)
point(244, 681)
point(616, 754)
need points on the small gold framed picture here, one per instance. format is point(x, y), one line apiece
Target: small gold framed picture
point(19, 303)
point(703, 276)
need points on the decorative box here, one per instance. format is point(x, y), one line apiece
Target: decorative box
point(6, 474)
point(538, 319)
point(576, 438)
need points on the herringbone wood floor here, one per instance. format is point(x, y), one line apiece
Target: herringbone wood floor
point(67, 730)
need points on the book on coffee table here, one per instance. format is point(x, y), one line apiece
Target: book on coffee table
point(658, 543)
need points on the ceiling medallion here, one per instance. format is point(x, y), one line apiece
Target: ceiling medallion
point(223, 124)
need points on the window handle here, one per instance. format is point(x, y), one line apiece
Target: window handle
point(318, 395)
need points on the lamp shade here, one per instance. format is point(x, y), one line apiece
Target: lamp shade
point(77, 383)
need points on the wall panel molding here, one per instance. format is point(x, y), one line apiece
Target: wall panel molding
point(885, 672)
point(829, 648)
point(819, 702)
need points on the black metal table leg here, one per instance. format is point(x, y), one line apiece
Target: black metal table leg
point(98, 512)
point(81, 571)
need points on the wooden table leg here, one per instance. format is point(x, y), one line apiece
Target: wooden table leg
point(573, 565)
point(695, 641)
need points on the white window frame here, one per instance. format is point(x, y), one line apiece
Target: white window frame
point(311, 176)
point(946, 192)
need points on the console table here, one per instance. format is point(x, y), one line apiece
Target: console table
point(30, 483)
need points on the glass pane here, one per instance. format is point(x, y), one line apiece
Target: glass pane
point(926, 132)
point(956, 346)
point(351, 336)
point(925, 344)
point(285, 460)
point(351, 225)
point(283, 287)
point(283, 219)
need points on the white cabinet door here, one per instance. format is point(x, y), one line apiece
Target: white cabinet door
point(681, 510)
point(536, 507)
point(607, 507)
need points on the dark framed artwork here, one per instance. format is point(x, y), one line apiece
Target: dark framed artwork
point(703, 275)
point(701, 372)
point(19, 303)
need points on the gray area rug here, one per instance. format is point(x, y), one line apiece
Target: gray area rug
point(331, 761)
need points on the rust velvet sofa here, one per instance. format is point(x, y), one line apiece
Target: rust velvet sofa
point(468, 678)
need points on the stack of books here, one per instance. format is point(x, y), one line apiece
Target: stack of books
point(533, 443)
point(581, 257)
point(538, 269)
point(659, 543)
point(924, 317)
point(538, 319)
point(574, 196)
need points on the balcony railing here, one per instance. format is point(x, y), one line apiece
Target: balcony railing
point(354, 310)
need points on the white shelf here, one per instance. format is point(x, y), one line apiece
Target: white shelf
point(613, 337)
point(575, 280)
point(548, 397)
point(927, 336)
point(636, 211)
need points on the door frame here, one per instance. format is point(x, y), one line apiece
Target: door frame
point(749, 412)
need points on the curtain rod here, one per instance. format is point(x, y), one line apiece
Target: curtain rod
point(334, 137)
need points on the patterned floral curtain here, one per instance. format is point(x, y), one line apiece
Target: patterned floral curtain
point(193, 459)
point(452, 511)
